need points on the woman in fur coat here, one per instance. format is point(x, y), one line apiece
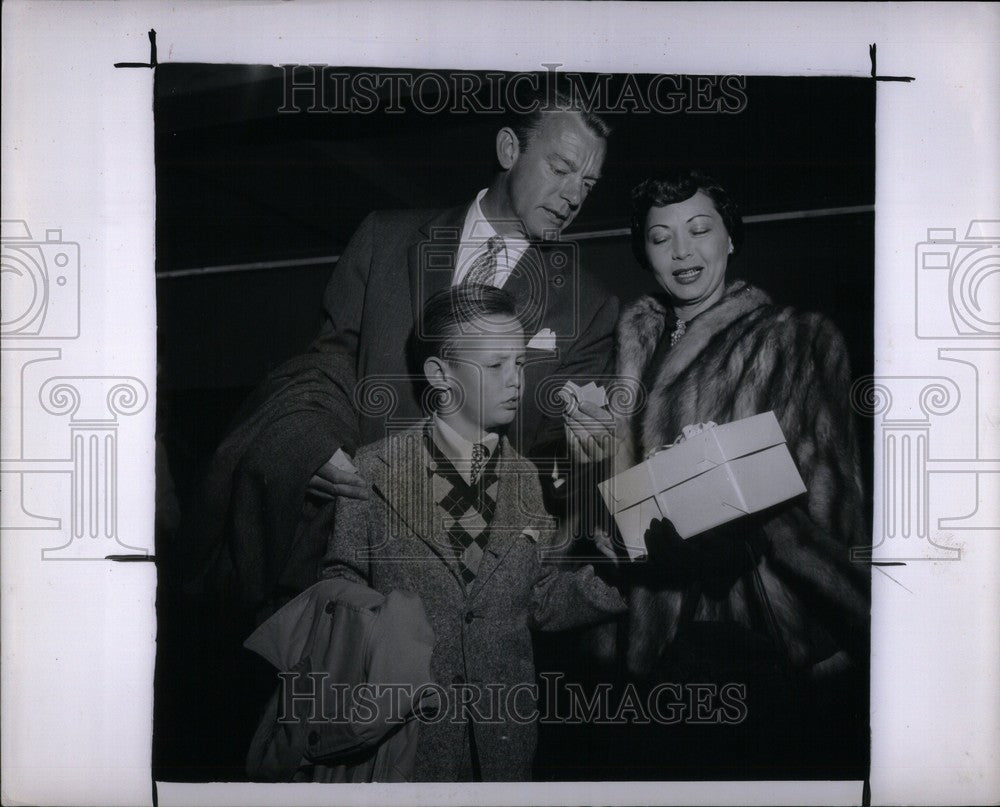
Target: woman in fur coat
point(709, 349)
point(772, 601)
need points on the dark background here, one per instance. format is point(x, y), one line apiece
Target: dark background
point(238, 183)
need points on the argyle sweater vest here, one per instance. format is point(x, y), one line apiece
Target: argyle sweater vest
point(466, 510)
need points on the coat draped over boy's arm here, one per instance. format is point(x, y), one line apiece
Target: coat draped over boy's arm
point(255, 538)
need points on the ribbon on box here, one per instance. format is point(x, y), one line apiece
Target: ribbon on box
point(690, 431)
point(687, 432)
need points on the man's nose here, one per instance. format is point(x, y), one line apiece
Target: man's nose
point(572, 192)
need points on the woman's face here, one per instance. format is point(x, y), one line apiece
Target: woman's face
point(688, 247)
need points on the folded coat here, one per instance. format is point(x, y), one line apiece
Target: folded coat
point(344, 712)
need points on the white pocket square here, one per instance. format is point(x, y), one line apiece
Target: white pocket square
point(545, 339)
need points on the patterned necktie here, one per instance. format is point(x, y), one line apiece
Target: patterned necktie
point(484, 268)
point(478, 458)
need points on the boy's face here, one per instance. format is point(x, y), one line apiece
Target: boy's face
point(485, 370)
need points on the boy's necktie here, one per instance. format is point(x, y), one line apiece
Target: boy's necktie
point(478, 458)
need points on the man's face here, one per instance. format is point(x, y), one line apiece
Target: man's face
point(486, 370)
point(550, 178)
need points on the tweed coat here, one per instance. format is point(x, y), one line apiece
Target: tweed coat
point(395, 541)
point(742, 357)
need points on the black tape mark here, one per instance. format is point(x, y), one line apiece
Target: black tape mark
point(152, 54)
point(131, 558)
point(871, 55)
point(886, 563)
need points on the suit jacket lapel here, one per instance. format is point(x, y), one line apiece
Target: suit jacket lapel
point(508, 519)
point(528, 285)
point(544, 283)
point(431, 258)
point(409, 494)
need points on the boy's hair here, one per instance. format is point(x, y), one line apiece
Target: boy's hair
point(447, 318)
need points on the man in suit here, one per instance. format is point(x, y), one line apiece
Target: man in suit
point(508, 236)
point(255, 538)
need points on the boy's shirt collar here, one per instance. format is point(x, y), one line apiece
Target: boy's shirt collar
point(457, 449)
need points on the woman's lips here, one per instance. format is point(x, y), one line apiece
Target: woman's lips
point(689, 275)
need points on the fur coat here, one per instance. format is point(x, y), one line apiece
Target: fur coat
point(742, 357)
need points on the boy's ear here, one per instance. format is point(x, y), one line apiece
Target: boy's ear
point(436, 373)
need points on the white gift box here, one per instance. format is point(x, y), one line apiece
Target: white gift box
point(711, 477)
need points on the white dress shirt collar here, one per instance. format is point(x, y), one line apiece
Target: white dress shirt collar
point(475, 232)
point(457, 449)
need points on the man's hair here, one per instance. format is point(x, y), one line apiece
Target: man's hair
point(447, 316)
point(679, 186)
point(553, 95)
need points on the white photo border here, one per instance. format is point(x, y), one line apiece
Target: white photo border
point(77, 142)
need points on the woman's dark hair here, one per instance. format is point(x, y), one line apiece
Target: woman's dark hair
point(447, 316)
point(679, 186)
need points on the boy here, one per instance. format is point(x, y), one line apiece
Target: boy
point(456, 517)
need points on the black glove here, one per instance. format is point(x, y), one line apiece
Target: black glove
point(671, 560)
point(716, 558)
point(724, 554)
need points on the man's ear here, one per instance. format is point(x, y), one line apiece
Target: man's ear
point(436, 373)
point(508, 148)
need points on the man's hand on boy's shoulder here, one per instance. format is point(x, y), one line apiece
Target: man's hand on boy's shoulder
point(338, 477)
